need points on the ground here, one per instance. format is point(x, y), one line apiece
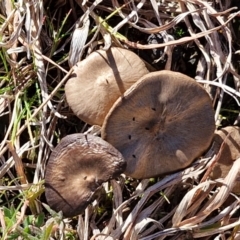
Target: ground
point(38, 48)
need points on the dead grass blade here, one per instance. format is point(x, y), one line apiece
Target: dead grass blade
point(182, 205)
point(18, 164)
point(215, 202)
point(79, 38)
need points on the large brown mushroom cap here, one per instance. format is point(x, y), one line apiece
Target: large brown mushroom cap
point(76, 169)
point(161, 124)
point(99, 80)
point(227, 153)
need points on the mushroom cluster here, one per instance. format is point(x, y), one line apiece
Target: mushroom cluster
point(152, 124)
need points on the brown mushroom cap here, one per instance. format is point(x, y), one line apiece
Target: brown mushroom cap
point(230, 151)
point(76, 169)
point(161, 124)
point(99, 80)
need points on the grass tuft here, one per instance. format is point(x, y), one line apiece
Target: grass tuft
point(198, 38)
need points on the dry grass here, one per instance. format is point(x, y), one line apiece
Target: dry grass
point(39, 41)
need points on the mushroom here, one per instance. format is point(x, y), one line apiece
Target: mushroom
point(226, 144)
point(99, 80)
point(76, 169)
point(161, 124)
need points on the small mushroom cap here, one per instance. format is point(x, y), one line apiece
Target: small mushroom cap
point(161, 124)
point(99, 80)
point(76, 169)
point(230, 151)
